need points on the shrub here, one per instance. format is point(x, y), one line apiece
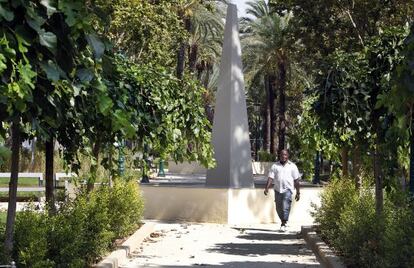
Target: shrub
point(348, 221)
point(334, 200)
point(264, 156)
point(360, 232)
point(125, 207)
point(82, 231)
point(399, 235)
point(31, 246)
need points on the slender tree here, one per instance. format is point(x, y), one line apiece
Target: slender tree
point(266, 47)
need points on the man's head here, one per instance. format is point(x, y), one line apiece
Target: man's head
point(283, 156)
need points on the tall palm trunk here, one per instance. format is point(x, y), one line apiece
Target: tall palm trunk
point(267, 117)
point(192, 57)
point(183, 46)
point(356, 165)
point(11, 210)
point(50, 196)
point(282, 104)
point(411, 185)
point(273, 117)
point(181, 61)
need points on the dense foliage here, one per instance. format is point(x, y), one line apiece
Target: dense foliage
point(73, 72)
point(347, 220)
point(82, 231)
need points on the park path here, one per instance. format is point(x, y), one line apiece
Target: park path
point(219, 245)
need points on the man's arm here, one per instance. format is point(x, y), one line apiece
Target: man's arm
point(268, 184)
point(297, 187)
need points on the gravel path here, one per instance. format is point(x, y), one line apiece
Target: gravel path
point(218, 245)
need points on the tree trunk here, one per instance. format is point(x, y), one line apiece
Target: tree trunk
point(356, 166)
point(344, 160)
point(183, 46)
point(411, 183)
point(208, 70)
point(379, 195)
point(33, 155)
point(282, 104)
point(267, 118)
point(377, 160)
point(50, 195)
point(94, 168)
point(273, 117)
point(181, 61)
point(316, 178)
point(11, 210)
point(192, 57)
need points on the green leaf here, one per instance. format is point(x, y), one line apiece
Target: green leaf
point(70, 9)
point(105, 104)
point(22, 44)
point(26, 74)
point(48, 40)
point(51, 70)
point(97, 45)
point(5, 154)
point(50, 6)
point(6, 14)
point(3, 61)
point(85, 75)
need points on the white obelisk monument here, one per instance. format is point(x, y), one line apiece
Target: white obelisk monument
point(230, 139)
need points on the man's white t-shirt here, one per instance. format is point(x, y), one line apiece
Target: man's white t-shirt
point(284, 176)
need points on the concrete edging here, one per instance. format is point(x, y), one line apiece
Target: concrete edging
point(121, 254)
point(325, 254)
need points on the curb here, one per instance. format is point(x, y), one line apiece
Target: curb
point(121, 254)
point(321, 250)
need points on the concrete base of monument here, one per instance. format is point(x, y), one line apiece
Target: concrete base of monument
point(198, 203)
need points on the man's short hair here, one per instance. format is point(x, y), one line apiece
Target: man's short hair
point(286, 150)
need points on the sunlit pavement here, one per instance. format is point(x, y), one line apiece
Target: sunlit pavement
point(218, 245)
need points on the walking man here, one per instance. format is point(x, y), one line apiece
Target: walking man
point(285, 176)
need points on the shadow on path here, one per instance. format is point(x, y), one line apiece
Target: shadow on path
point(243, 265)
point(258, 244)
point(268, 236)
point(260, 249)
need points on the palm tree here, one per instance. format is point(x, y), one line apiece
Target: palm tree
point(203, 20)
point(266, 49)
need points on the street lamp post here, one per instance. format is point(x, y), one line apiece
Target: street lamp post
point(161, 172)
point(121, 159)
point(145, 178)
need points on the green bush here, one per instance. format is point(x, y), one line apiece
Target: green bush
point(399, 235)
point(360, 232)
point(348, 222)
point(125, 208)
point(82, 231)
point(335, 199)
point(31, 246)
point(264, 156)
